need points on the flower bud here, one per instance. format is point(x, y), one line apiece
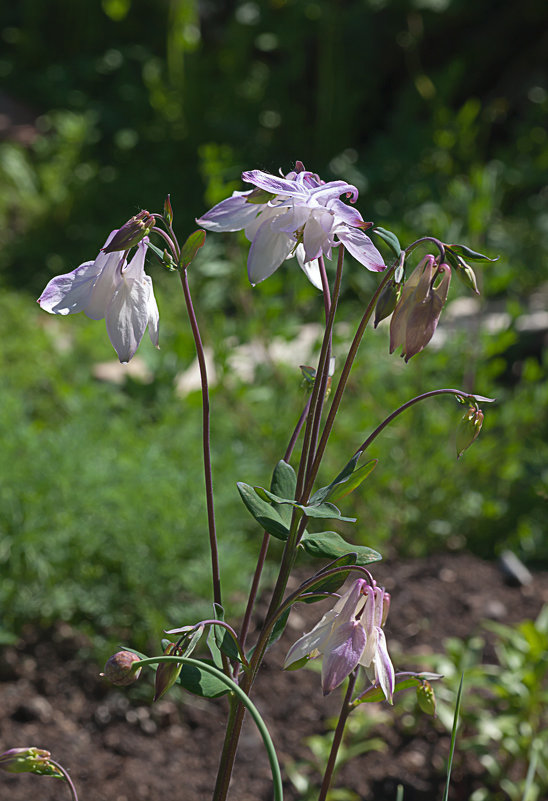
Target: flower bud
point(28, 760)
point(167, 672)
point(426, 698)
point(119, 668)
point(387, 302)
point(168, 211)
point(131, 233)
point(468, 429)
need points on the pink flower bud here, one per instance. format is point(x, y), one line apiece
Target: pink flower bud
point(119, 668)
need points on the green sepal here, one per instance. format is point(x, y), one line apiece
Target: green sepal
point(402, 682)
point(191, 247)
point(198, 682)
point(265, 514)
point(259, 196)
point(462, 250)
point(389, 238)
point(330, 545)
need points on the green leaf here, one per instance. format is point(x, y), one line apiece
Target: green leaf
point(284, 480)
point(200, 683)
point(191, 247)
point(214, 649)
point(265, 514)
point(326, 511)
point(344, 475)
point(276, 633)
point(330, 545)
point(348, 485)
point(284, 484)
point(403, 682)
point(223, 638)
point(462, 250)
point(389, 238)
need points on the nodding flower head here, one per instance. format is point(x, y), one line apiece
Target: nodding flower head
point(349, 635)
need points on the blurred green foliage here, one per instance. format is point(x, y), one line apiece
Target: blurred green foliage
point(434, 109)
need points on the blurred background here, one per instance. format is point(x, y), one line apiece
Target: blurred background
point(436, 110)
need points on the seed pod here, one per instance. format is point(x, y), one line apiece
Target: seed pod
point(119, 668)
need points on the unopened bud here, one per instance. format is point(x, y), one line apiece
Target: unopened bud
point(167, 672)
point(464, 272)
point(131, 233)
point(426, 698)
point(119, 668)
point(387, 302)
point(468, 429)
point(168, 211)
point(28, 760)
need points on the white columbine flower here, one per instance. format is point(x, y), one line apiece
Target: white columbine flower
point(299, 216)
point(349, 635)
point(109, 287)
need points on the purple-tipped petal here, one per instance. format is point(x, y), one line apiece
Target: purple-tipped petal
point(384, 670)
point(69, 293)
point(272, 183)
point(343, 652)
point(361, 247)
point(231, 214)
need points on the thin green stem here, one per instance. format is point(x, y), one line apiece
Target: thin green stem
point(243, 698)
point(337, 738)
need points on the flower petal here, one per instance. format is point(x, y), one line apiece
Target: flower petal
point(384, 670)
point(231, 214)
point(268, 250)
point(273, 183)
point(361, 247)
point(109, 276)
point(310, 268)
point(342, 654)
point(69, 293)
point(314, 640)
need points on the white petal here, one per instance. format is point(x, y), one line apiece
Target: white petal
point(268, 250)
point(384, 670)
point(231, 214)
point(69, 293)
point(109, 276)
point(310, 268)
point(153, 314)
point(127, 316)
point(361, 247)
point(316, 233)
point(312, 641)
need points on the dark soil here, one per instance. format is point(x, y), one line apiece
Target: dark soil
point(119, 746)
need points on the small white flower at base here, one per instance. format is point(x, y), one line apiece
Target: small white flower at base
point(301, 216)
point(109, 288)
point(349, 635)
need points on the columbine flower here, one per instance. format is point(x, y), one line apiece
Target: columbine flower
point(109, 287)
point(28, 760)
point(417, 313)
point(296, 215)
point(349, 635)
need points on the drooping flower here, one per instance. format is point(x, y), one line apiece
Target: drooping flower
point(349, 635)
point(109, 288)
point(418, 310)
point(296, 215)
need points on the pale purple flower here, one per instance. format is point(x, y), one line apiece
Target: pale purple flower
point(299, 216)
point(109, 287)
point(349, 635)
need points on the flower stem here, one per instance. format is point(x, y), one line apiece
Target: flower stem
point(237, 691)
point(458, 392)
point(337, 739)
point(206, 441)
point(67, 778)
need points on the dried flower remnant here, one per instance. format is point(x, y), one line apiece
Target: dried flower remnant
point(119, 668)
